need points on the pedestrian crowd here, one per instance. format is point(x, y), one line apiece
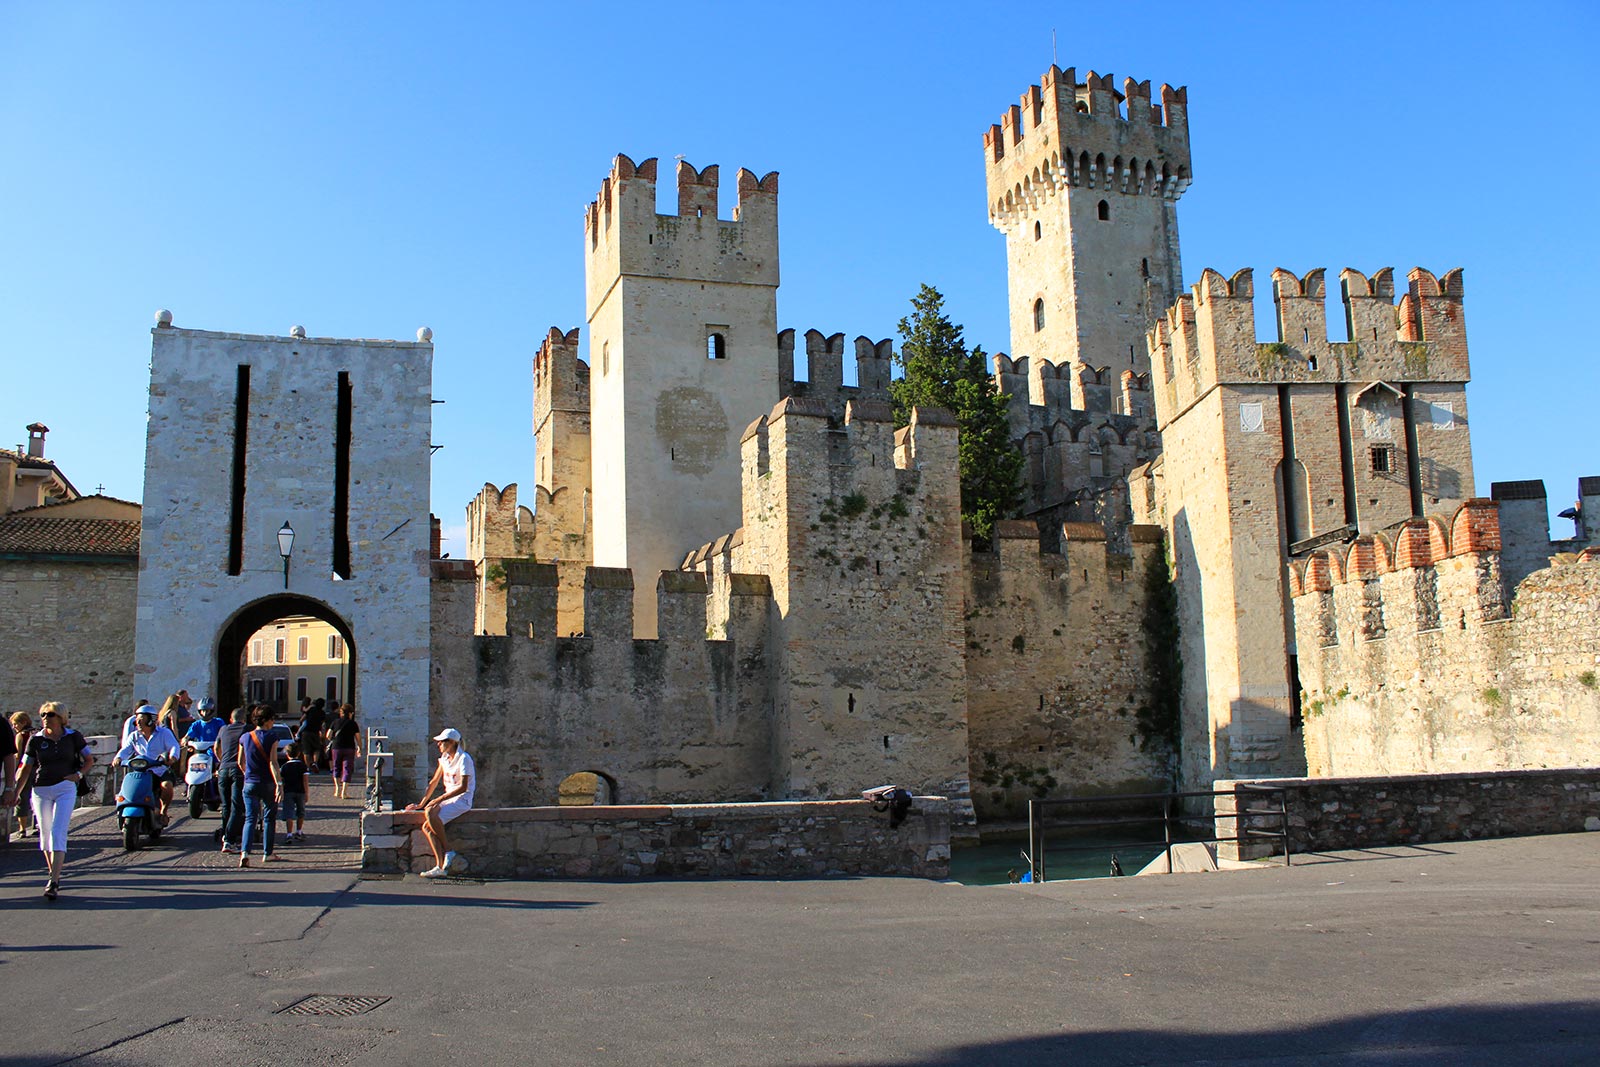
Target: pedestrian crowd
point(262, 768)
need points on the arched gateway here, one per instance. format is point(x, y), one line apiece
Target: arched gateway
point(231, 642)
point(289, 476)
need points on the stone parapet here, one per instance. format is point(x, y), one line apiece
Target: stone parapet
point(1208, 336)
point(810, 839)
point(1330, 814)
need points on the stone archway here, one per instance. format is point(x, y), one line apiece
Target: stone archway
point(585, 788)
point(230, 647)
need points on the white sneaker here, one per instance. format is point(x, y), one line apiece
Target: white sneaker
point(433, 872)
point(453, 862)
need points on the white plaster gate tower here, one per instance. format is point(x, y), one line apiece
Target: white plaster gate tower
point(329, 437)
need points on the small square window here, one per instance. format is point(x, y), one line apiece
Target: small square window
point(1382, 460)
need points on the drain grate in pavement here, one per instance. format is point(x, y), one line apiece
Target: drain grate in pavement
point(330, 1004)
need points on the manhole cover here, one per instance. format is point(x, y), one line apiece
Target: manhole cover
point(329, 1004)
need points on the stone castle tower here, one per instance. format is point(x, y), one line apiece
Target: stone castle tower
point(682, 313)
point(1273, 449)
point(1084, 182)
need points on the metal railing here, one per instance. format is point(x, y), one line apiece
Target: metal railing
point(1248, 816)
point(376, 754)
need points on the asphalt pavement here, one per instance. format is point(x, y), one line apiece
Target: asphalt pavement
point(1463, 954)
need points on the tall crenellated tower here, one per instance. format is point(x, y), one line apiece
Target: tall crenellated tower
point(1273, 449)
point(561, 442)
point(1084, 182)
point(682, 313)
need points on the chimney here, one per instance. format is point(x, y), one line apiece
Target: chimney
point(36, 432)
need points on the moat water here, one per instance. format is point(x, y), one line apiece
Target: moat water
point(1081, 855)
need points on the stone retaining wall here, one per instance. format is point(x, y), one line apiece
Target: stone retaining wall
point(1328, 814)
point(807, 839)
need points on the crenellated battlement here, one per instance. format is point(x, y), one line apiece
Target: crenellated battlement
point(1067, 134)
point(534, 589)
point(625, 236)
point(1208, 337)
point(560, 378)
point(1414, 658)
point(1042, 393)
point(825, 368)
point(1428, 575)
point(1087, 551)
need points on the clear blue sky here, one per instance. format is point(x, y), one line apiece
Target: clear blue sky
point(365, 169)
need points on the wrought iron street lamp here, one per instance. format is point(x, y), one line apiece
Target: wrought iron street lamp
point(285, 546)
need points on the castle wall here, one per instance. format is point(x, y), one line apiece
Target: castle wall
point(1081, 437)
point(1335, 814)
point(678, 719)
point(860, 535)
point(1058, 669)
point(68, 636)
point(1525, 526)
point(1413, 661)
point(819, 839)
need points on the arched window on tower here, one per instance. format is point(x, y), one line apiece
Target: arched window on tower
point(1038, 315)
point(716, 345)
point(1038, 231)
point(1105, 211)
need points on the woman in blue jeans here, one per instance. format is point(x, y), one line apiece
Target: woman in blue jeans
point(263, 788)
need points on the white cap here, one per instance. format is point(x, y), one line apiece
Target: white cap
point(451, 734)
point(146, 709)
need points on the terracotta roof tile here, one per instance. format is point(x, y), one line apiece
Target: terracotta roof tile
point(69, 537)
point(37, 508)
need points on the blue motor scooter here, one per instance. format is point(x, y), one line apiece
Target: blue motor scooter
point(137, 805)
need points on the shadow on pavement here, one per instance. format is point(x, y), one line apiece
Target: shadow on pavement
point(100, 894)
point(1529, 1035)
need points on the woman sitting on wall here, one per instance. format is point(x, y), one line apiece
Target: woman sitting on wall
point(456, 780)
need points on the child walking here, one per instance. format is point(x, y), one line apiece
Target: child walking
point(294, 794)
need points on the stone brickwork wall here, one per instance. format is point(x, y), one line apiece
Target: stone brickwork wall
point(1330, 814)
point(1058, 668)
point(675, 719)
point(858, 528)
point(793, 840)
point(1413, 661)
point(69, 636)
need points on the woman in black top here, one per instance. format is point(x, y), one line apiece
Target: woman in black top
point(53, 764)
point(344, 748)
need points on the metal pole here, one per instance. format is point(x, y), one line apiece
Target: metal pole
point(1166, 827)
point(1283, 811)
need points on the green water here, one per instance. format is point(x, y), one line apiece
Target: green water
point(988, 863)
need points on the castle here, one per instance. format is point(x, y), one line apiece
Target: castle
point(1234, 556)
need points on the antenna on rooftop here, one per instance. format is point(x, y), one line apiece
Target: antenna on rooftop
point(1053, 47)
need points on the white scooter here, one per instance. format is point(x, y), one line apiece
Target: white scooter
point(202, 779)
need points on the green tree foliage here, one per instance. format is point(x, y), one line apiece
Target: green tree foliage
point(940, 372)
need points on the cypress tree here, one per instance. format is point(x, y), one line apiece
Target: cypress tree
point(941, 372)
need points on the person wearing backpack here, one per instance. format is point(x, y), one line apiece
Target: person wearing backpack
point(263, 785)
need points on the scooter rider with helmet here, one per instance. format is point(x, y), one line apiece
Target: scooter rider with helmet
point(203, 729)
point(156, 744)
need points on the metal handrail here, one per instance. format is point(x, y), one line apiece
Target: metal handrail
point(1243, 816)
point(376, 754)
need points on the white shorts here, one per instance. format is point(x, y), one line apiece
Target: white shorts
point(453, 807)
